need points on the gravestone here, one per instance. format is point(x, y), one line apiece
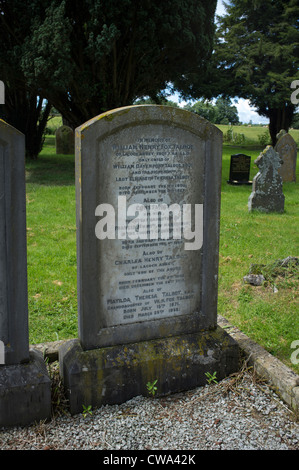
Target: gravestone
point(65, 140)
point(267, 194)
point(239, 169)
point(2, 93)
point(25, 389)
point(287, 149)
point(147, 277)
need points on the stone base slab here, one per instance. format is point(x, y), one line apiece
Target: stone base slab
point(25, 392)
point(115, 374)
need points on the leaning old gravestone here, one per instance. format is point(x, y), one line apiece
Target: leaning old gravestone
point(65, 140)
point(147, 278)
point(287, 149)
point(267, 195)
point(25, 388)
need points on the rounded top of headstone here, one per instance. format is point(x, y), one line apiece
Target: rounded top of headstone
point(5, 124)
point(280, 134)
point(151, 114)
point(64, 130)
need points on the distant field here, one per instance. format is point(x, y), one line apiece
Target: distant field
point(251, 133)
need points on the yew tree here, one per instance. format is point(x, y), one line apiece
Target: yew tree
point(24, 107)
point(256, 57)
point(89, 56)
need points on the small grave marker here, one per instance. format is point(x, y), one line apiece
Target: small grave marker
point(239, 169)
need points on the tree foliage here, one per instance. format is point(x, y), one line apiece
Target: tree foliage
point(222, 112)
point(257, 57)
point(93, 55)
point(24, 107)
point(85, 57)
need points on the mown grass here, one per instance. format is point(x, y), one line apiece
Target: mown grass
point(269, 316)
point(51, 241)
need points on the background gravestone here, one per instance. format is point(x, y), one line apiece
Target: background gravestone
point(287, 149)
point(147, 307)
point(2, 93)
point(65, 140)
point(239, 169)
point(25, 389)
point(267, 195)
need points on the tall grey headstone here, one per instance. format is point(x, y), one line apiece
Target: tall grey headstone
point(13, 248)
point(267, 194)
point(147, 286)
point(24, 384)
point(287, 149)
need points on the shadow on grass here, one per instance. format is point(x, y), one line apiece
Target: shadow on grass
point(51, 169)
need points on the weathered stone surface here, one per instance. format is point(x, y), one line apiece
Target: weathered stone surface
point(254, 279)
point(49, 350)
point(287, 149)
point(267, 195)
point(25, 388)
point(115, 374)
point(65, 140)
point(138, 289)
point(25, 392)
point(13, 247)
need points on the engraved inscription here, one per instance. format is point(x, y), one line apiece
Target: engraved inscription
point(149, 277)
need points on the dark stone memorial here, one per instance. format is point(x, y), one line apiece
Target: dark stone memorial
point(239, 169)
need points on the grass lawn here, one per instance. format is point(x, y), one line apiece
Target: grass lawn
point(268, 314)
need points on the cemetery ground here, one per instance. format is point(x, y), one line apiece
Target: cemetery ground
point(268, 314)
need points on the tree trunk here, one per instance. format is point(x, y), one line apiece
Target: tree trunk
point(26, 112)
point(279, 119)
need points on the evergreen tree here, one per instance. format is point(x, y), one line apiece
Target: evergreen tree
point(89, 56)
point(24, 106)
point(222, 112)
point(257, 57)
